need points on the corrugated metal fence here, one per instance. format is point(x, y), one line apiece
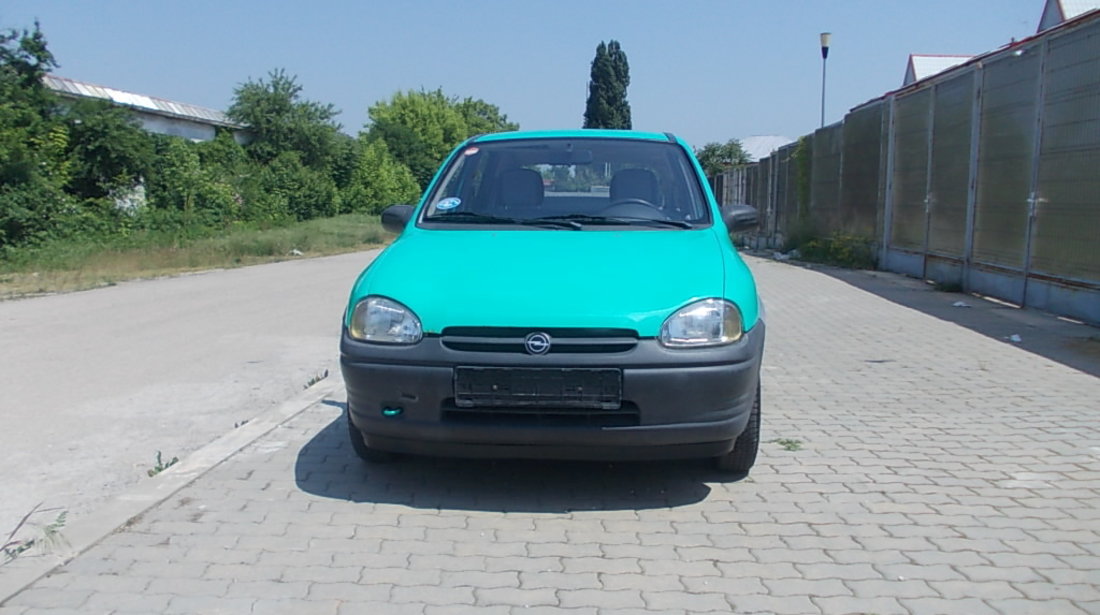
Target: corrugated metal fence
point(986, 177)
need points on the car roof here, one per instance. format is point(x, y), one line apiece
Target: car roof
point(574, 134)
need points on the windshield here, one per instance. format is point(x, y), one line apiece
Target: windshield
point(570, 184)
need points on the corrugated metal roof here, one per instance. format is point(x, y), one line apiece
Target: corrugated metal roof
point(761, 146)
point(922, 66)
point(160, 106)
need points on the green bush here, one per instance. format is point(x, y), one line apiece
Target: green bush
point(302, 192)
point(841, 250)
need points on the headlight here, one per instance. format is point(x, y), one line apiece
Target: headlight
point(377, 319)
point(709, 322)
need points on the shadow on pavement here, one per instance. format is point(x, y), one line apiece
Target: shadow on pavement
point(327, 467)
point(1067, 342)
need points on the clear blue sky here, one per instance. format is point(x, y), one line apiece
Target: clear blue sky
point(707, 70)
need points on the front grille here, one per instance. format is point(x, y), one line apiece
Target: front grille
point(626, 416)
point(563, 340)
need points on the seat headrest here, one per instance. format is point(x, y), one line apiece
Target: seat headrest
point(635, 184)
point(521, 189)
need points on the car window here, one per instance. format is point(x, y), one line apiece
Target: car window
point(594, 181)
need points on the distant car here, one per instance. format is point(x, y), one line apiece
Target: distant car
point(562, 295)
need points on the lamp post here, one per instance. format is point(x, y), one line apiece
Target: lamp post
point(825, 38)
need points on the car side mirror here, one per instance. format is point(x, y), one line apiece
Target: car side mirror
point(396, 217)
point(740, 217)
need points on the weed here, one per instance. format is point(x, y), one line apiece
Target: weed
point(161, 465)
point(788, 443)
point(315, 379)
point(948, 287)
point(50, 537)
point(841, 250)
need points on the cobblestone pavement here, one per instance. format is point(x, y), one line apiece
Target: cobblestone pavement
point(912, 466)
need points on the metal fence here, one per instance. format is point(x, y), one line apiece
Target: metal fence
point(986, 176)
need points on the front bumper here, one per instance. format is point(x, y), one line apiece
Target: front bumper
point(684, 403)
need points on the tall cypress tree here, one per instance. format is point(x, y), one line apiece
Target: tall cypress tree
point(607, 106)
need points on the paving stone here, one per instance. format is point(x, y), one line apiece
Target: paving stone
point(563, 580)
point(600, 599)
point(664, 601)
point(915, 492)
point(937, 606)
point(511, 596)
point(1023, 606)
point(852, 605)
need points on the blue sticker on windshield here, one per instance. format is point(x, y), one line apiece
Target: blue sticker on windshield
point(448, 203)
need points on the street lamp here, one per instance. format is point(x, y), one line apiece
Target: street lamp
point(825, 38)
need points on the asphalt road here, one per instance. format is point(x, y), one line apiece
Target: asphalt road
point(93, 384)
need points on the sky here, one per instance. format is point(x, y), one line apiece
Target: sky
point(706, 70)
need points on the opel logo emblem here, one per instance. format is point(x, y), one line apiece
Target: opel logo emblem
point(537, 343)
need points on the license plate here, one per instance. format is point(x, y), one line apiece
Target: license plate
point(507, 387)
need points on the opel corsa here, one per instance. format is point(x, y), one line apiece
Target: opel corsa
point(560, 295)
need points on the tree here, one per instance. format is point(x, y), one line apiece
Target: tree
point(717, 157)
point(108, 150)
point(281, 122)
point(378, 180)
point(420, 128)
point(33, 143)
point(607, 106)
point(482, 117)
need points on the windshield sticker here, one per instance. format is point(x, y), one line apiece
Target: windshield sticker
point(448, 203)
point(470, 151)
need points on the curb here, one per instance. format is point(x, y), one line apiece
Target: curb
point(126, 507)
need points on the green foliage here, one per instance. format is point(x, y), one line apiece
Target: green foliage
point(421, 128)
point(107, 149)
point(84, 171)
point(378, 181)
point(179, 182)
point(841, 250)
point(161, 465)
point(291, 188)
point(29, 211)
point(280, 121)
point(607, 106)
point(482, 117)
point(24, 59)
point(718, 157)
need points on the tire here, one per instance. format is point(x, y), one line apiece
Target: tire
point(359, 445)
point(743, 456)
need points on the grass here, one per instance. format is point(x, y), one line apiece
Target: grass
point(48, 537)
point(789, 444)
point(80, 265)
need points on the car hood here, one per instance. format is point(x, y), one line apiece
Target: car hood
point(550, 278)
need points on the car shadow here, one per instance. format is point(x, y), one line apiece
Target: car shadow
point(327, 467)
point(1065, 341)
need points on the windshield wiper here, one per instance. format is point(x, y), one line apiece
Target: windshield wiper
point(463, 217)
point(618, 220)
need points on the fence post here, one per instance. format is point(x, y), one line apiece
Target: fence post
point(1033, 199)
point(929, 198)
point(888, 198)
point(972, 186)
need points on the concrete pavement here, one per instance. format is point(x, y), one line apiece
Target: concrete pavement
point(912, 466)
point(95, 383)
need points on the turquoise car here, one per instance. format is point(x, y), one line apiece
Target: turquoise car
point(559, 295)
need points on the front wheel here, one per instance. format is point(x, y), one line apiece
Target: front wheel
point(743, 456)
point(359, 445)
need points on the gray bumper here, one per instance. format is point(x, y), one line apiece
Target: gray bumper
point(687, 403)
